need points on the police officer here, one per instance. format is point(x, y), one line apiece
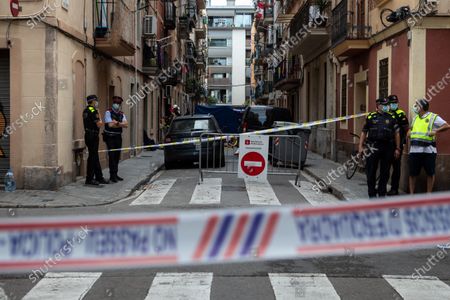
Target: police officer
point(115, 121)
point(403, 124)
point(92, 124)
point(381, 133)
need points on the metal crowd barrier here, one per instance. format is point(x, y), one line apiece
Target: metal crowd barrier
point(221, 154)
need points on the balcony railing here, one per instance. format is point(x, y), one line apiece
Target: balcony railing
point(345, 27)
point(114, 27)
point(150, 64)
point(308, 15)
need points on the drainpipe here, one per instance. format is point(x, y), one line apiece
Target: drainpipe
point(136, 14)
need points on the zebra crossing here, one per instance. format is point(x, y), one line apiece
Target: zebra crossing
point(200, 285)
point(255, 193)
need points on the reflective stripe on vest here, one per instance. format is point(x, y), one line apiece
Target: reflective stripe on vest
point(421, 128)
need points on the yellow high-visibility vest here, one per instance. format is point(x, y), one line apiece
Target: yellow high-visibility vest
point(421, 127)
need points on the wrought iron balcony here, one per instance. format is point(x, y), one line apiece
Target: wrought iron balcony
point(170, 16)
point(286, 78)
point(348, 33)
point(114, 28)
point(150, 64)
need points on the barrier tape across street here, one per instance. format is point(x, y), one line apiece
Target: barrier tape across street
point(271, 130)
point(220, 236)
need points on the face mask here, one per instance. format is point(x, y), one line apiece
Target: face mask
point(116, 106)
point(415, 109)
point(385, 108)
point(394, 106)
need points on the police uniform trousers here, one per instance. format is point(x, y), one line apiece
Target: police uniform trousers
point(381, 157)
point(93, 164)
point(113, 141)
point(396, 172)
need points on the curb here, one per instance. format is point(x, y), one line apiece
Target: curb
point(134, 189)
point(332, 189)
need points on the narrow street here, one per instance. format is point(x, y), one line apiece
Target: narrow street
point(349, 276)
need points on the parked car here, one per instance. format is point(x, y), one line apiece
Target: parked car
point(190, 128)
point(260, 117)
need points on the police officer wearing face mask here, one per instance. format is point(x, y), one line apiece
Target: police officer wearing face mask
point(92, 124)
point(381, 132)
point(115, 121)
point(403, 124)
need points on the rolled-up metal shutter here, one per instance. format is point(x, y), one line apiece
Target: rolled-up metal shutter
point(5, 112)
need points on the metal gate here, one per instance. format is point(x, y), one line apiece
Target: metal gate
point(219, 153)
point(5, 111)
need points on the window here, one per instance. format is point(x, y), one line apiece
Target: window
point(220, 75)
point(192, 125)
point(217, 61)
point(243, 20)
point(218, 43)
point(220, 22)
point(383, 76)
point(344, 95)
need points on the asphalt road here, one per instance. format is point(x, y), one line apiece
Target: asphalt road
point(375, 276)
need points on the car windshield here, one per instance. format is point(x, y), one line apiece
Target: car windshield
point(257, 116)
point(192, 125)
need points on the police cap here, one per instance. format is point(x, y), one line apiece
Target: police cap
point(393, 99)
point(382, 101)
point(423, 103)
point(117, 99)
point(92, 98)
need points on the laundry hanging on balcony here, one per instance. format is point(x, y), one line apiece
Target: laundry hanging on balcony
point(101, 9)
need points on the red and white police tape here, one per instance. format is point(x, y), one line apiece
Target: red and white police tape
point(219, 236)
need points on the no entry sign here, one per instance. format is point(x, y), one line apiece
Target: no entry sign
point(253, 157)
point(14, 7)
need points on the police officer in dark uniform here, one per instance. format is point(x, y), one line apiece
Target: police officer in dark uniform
point(115, 121)
point(92, 124)
point(382, 133)
point(403, 124)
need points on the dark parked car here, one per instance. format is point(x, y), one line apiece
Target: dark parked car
point(189, 128)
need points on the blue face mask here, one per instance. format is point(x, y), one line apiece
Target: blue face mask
point(116, 106)
point(385, 108)
point(394, 106)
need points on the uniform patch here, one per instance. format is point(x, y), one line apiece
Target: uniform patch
point(427, 121)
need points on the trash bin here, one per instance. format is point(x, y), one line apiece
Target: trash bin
point(287, 149)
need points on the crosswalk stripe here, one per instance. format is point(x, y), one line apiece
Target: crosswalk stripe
point(181, 286)
point(261, 193)
point(155, 193)
point(425, 287)
point(67, 285)
point(288, 286)
point(314, 198)
point(208, 192)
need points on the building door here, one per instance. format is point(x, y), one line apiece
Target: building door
point(79, 101)
point(360, 100)
point(5, 112)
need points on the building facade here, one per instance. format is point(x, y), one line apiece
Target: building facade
point(55, 53)
point(229, 50)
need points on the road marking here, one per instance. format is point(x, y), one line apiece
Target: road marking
point(306, 190)
point(156, 192)
point(208, 192)
point(261, 193)
point(425, 287)
point(181, 286)
point(288, 286)
point(67, 286)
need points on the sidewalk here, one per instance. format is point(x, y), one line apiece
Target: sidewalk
point(136, 171)
point(341, 187)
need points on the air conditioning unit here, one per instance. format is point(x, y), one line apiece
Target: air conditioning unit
point(149, 27)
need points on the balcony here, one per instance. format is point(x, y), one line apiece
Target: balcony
point(201, 60)
point(114, 28)
point(268, 12)
point(219, 82)
point(314, 18)
point(286, 80)
point(170, 16)
point(200, 30)
point(150, 65)
point(349, 36)
point(262, 91)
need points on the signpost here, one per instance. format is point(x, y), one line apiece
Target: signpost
point(253, 154)
point(14, 7)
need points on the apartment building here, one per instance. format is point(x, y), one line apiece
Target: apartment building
point(229, 50)
point(327, 58)
point(55, 53)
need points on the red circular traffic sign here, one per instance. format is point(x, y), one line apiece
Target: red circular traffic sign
point(253, 163)
point(14, 6)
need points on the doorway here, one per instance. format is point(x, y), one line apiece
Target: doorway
point(5, 113)
point(360, 100)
